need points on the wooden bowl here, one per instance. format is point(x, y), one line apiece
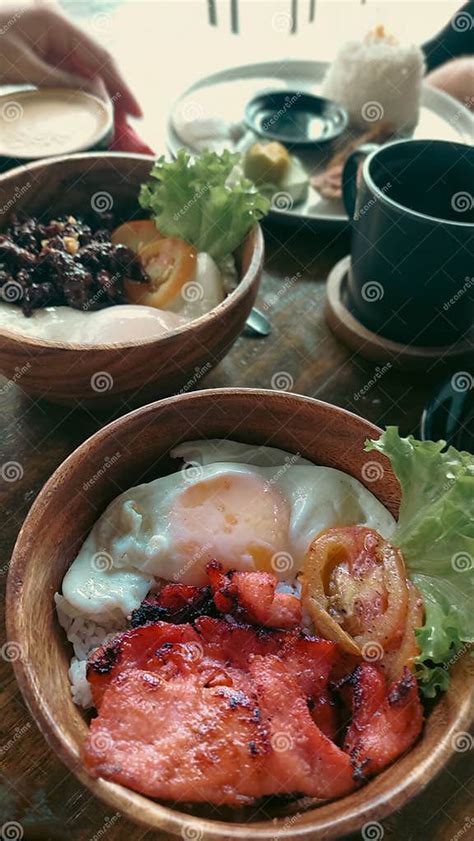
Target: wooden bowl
point(130, 373)
point(65, 511)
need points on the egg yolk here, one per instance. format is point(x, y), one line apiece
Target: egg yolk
point(238, 519)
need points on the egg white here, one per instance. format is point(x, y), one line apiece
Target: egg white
point(138, 538)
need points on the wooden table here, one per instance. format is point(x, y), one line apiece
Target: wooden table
point(35, 789)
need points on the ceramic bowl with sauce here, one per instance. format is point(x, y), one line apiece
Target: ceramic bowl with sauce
point(296, 119)
point(56, 526)
point(45, 122)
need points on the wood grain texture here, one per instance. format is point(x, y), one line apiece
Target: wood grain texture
point(61, 517)
point(108, 375)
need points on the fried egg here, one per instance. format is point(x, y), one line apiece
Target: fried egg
point(252, 508)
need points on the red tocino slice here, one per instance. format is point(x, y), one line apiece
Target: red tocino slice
point(385, 720)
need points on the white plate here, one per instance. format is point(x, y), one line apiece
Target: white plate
point(225, 94)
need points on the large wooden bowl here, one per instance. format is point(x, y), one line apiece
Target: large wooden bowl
point(62, 516)
point(130, 373)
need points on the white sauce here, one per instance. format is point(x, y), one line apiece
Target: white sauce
point(53, 121)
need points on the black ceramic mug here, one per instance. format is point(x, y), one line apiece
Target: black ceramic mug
point(412, 256)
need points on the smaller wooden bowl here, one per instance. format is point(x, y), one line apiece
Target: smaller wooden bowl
point(58, 523)
point(129, 373)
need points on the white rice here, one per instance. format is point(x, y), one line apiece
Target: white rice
point(377, 80)
point(85, 635)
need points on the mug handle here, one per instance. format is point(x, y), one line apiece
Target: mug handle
point(349, 175)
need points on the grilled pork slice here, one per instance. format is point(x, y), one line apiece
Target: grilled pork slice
point(168, 650)
point(301, 759)
point(252, 596)
point(386, 720)
point(161, 647)
point(178, 739)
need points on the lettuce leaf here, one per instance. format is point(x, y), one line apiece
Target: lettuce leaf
point(435, 532)
point(206, 201)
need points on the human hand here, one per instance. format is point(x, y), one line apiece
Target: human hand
point(39, 46)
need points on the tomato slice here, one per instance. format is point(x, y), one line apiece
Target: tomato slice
point(356, 589)
point(170, 263)
point(137, 234)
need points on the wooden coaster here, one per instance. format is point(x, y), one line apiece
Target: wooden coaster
point(370, 345)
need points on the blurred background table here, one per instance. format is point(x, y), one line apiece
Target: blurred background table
point(163, 53)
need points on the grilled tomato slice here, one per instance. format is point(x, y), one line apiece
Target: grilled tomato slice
point(356, 590)
point(137, 234)
point(169, 263)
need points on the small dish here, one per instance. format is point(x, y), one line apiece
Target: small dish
point(131, 372)
point(46, 122)
point(56, 526)
point(295, 118)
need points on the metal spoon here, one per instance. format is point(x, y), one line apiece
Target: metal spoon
point(257, 324)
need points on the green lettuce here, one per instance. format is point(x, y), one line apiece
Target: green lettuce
point(435, 533)
point(206, 201)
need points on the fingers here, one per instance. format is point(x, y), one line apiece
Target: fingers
point(81, 54)
point(23, 66)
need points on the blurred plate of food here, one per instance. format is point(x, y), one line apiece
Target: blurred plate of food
point(377, 81)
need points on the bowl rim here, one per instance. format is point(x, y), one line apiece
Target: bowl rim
point(233, 298)
point(371, 801)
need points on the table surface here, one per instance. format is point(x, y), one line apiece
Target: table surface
point(35, 789)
